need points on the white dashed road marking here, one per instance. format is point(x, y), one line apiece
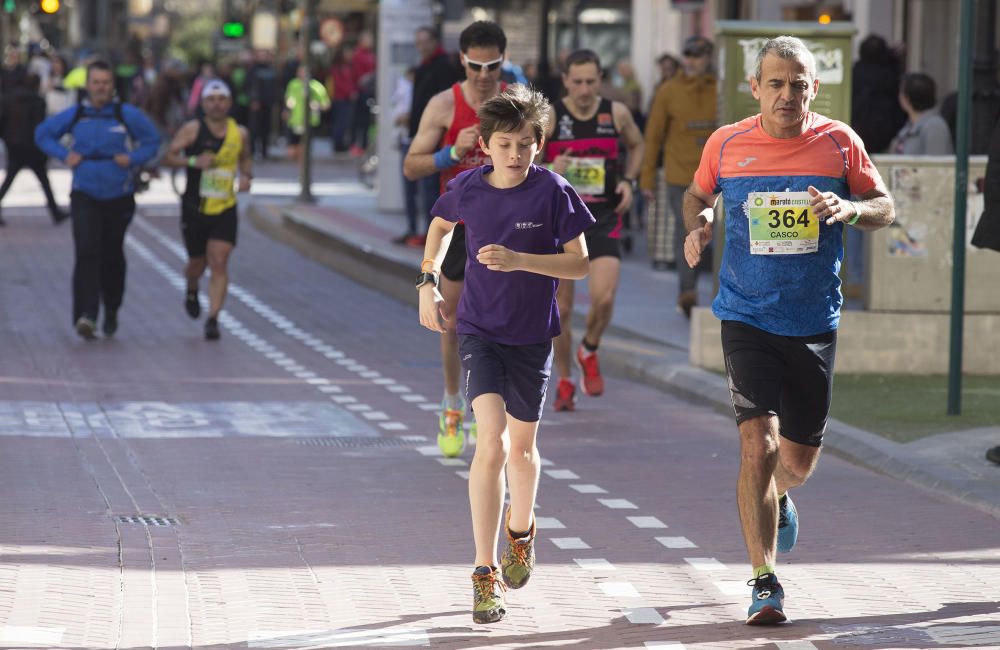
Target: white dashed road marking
point(676, 542)
point(647, 522)
point(619, 589)
point(570, 543)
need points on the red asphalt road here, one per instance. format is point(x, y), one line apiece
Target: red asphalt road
point(307, 514)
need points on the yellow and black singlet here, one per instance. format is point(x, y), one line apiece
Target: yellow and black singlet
point(211, 191)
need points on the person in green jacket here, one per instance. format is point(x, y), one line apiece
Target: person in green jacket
point(295, 113)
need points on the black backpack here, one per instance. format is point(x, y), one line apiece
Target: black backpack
point(119, 117)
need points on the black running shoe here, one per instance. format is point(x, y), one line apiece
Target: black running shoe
point(212, 329)
point(110, 324)
point(192, 304)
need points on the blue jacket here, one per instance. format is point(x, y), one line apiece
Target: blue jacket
point(99, 136)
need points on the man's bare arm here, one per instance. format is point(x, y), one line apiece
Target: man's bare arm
point(877, 209)
point(183, 139)
point(698, 207)
point(419, 161)
point(634, 142)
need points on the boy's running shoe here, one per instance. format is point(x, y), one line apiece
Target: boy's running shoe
point(591, 383)
point(451, 436)
point(788, 524)
point(488, 605)
point(518, 559)
point(565, 395)
point(768, 606)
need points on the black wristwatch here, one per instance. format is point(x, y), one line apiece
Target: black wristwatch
point(425, 277)
point(632, 181)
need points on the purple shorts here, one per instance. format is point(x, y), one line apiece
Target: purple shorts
point(518, 373)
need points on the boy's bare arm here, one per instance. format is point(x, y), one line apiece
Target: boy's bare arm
point(571, 264)
point(430, 305)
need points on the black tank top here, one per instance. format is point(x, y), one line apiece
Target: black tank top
point(593, 144)
point(204, 141)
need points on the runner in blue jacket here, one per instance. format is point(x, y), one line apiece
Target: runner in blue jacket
point(110, 142)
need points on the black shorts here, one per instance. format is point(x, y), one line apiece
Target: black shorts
point(518, 373)
point(453, 265)
point(787, 376)
point(197, 228)
point(600, 242)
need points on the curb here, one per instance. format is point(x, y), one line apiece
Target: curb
point(625, 354)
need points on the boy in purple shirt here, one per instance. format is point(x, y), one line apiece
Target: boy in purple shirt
point(526, 225)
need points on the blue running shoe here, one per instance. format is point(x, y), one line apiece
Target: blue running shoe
point(768, 603)
point(788, 524)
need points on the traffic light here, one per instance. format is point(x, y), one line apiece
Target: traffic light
point(48, 6)
point(234, 29)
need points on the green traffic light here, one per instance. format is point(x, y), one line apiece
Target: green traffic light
point(9, 6)
point(233, 30)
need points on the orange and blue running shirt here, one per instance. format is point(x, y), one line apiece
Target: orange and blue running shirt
point(795, 294)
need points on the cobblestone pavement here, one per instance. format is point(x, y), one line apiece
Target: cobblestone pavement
point(281, 488)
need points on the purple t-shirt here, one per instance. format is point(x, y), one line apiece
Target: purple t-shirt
point(516, 307)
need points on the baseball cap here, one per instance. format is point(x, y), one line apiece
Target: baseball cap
point(215, 87)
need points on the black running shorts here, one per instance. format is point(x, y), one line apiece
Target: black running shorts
point(518, 373)
point(600, 243)
point(790, 377)
point(197, 228)
point(453, 266)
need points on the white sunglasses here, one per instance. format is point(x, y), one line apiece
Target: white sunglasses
point(490, 66)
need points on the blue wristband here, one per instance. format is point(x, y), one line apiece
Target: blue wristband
point(443, 159)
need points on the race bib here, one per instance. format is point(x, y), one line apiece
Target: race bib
point(782, 223)
point(586, 175)
point(216, 184)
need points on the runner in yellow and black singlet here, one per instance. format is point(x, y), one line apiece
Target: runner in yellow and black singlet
point(215, 151)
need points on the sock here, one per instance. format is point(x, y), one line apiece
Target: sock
point(453, 402)
point(523, 535)
point(483, 570)
point(762, 569)
point(588, 346)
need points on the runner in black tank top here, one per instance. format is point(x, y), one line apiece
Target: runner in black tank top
point(583, 145)
point(593, 147)
point(215, 151)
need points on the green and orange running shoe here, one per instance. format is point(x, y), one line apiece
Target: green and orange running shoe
point(518, 559)
point(451, 435)
point(488, 605)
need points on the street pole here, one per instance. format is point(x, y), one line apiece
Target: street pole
point(961, 191)
point(305, 36)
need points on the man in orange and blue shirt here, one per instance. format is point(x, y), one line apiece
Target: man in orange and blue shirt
point(787, 177)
